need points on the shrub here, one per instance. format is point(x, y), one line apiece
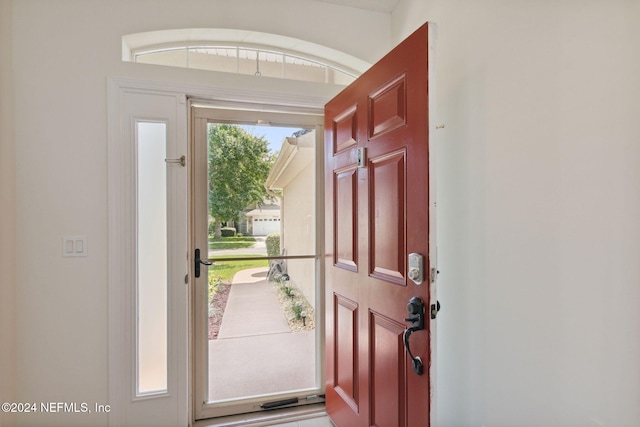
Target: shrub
point(273, 244)
point(297, 309)
point(228, 232)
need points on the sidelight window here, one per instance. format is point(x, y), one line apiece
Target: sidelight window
point(151, 289)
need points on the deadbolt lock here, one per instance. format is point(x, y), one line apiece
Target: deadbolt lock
point(416, 268)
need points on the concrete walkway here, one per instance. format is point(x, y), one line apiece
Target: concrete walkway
point(252, 307)
point(256, 353)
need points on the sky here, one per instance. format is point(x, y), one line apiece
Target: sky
point(275, 135)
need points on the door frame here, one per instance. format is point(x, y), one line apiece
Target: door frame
point(298, 96)
point(433, 211)
point(201, 113)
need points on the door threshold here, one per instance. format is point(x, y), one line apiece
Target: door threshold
point(266, 418)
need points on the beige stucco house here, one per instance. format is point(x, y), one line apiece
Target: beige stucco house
point(293, 175)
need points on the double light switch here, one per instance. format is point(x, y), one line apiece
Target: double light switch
point(74, 246)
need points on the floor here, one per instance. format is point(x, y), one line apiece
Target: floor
point(298, 417)
point(313, 422)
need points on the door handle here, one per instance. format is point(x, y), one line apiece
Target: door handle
point(197, 262)
point(416, 322)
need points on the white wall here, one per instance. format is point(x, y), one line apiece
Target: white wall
point(7, 211)
point(538, 205)
point(64, 51)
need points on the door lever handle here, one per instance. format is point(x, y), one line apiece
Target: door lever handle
point(416, 362)
point(416, 320)
point(198, 262)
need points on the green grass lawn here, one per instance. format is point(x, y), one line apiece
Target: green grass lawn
point(226, 269)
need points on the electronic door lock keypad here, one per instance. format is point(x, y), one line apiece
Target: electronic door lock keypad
point(416, 268)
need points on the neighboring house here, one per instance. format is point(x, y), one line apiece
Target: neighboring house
point(262, 220)
point(293, 174)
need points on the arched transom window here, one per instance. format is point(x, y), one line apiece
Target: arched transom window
point(233, 51)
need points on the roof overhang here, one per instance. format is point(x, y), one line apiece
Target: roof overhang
point(296, 154)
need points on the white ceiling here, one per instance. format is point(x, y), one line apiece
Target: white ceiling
point(385, 6)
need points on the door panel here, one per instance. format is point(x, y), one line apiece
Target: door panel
point(377, 212)
point(344, 129)
point(387, 182)
point(388, 368)
point(346, 363)
point(388, 107)
point(346, 193)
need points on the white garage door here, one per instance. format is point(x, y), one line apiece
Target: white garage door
point(264, 226)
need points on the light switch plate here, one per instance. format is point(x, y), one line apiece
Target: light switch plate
point(74, 246)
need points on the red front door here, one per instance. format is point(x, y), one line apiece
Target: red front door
point(377, 201)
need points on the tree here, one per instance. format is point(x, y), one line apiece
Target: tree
point(239, 164)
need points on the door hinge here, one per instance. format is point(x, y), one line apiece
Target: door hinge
point(186, 279)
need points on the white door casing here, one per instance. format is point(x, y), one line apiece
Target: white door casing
point(130, 404)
